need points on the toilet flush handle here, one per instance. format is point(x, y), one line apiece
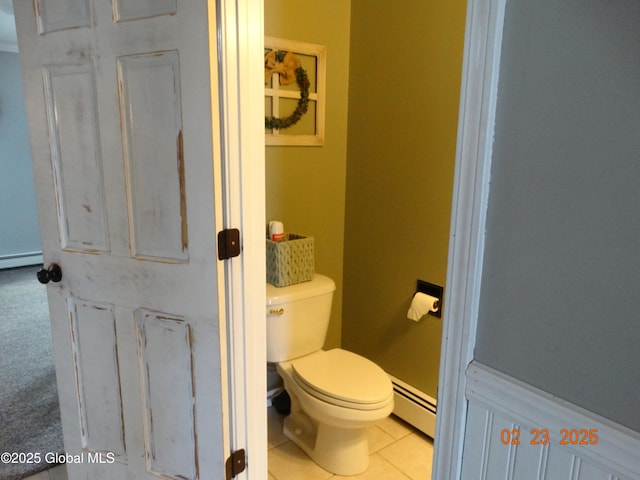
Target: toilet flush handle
point(279, 311)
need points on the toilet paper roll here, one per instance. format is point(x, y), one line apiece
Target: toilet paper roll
point(421, 305)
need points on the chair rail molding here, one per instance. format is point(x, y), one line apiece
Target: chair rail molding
point(525, 433)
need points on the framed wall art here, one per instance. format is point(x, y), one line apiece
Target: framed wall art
point(294, 77)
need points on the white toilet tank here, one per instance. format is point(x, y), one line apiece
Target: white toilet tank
point(298, 318)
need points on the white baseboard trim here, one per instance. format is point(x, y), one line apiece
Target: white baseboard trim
point(12, 261)
point(414, 406)
point(498, 402)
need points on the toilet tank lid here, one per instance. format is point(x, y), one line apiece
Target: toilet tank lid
point(319, 285)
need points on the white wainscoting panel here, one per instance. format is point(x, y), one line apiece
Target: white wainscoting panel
point(581, 445)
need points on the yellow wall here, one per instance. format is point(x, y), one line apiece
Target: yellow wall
point(305, 186)
point(403, 108)
point(377, 199)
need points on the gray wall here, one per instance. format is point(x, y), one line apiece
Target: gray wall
point(560, 299)
point(19, 233)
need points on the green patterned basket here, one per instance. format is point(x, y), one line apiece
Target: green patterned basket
point(290, 261)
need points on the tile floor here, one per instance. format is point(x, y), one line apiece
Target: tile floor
point(398, 452)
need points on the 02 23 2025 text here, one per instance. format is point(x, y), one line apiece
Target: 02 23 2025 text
point(541, 436)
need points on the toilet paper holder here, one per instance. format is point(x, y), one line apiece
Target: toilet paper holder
point(433, 290)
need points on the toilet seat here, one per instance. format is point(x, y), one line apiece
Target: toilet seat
point(343, 378)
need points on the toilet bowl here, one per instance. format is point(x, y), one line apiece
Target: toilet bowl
point(336, 394)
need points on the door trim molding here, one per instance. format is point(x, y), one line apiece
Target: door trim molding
point(240, 29)
point(478, 95)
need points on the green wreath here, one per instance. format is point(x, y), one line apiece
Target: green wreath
point(274, 123)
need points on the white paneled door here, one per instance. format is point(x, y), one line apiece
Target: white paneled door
point(118, 98)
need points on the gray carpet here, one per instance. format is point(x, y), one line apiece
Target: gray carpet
point(29, 410)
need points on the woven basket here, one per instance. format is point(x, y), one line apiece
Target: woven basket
point(290, 261)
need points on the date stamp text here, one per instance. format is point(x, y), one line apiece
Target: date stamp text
point(540, 436)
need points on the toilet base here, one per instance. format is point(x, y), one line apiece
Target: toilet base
point(333, 436)
point(342, 451)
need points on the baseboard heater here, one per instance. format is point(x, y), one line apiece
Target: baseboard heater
point(414, 407)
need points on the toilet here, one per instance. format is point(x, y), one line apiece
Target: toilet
point(336, 394)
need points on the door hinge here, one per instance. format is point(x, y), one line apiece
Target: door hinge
point(228, 243)
point(236, 463)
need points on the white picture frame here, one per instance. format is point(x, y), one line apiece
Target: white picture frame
point(282, 100)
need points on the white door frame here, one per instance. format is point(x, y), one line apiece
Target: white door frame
point(478, 95)
point(241, 25)
point(241, 93)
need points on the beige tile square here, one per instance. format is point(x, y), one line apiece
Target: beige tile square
point(378, 439)
point(58, 473)
point(412, 455)
point(275, 436)
point(288, 462)
point(396, 427)
point(44, 475)
point(379, 469)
